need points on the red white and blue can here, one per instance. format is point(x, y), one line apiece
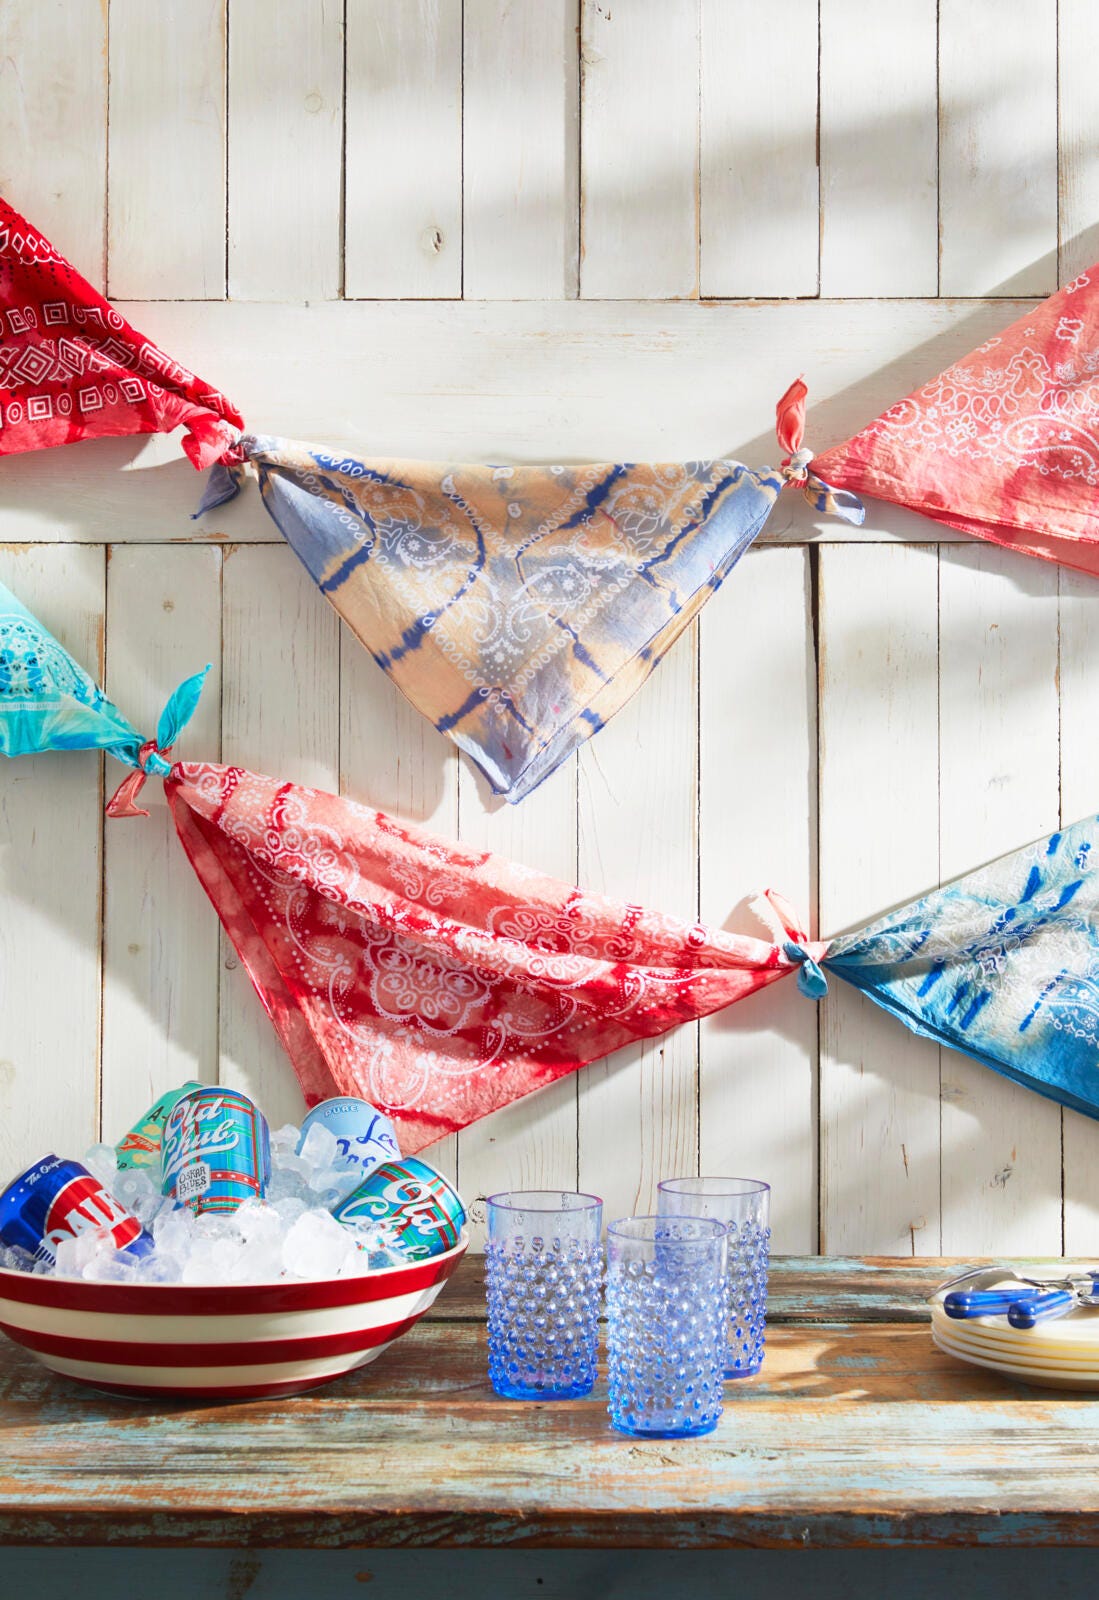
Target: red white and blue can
point(216, 1151)
point(59, 1199)
point(363, 1135)
point(418, 1211)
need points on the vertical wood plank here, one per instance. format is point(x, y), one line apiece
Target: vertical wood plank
point(1001, 1163)
point(166, 237)
point(878, 148)
point(280, 715)
point(53, 123)
point(392, 758)
point(404, 150)
point(1078, 116)
point(639, 842)
point(1079, 679)
point(760, 202)
point(51, 811)
point(757, 829)
point(521, 150)
point(998, 146)
point(285, 148)
point(160, 933)
point(879, 1084)
point(530, 1144)
point(639, 149)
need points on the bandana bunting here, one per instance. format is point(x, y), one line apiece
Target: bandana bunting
point(442, 984)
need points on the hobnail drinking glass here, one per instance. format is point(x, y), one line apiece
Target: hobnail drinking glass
point(542, 1273)
point(666, 1314)
point(744, 1206)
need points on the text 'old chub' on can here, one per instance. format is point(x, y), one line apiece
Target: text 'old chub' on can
point(216, 1151)
point(59, 1199)
point(418, 1212)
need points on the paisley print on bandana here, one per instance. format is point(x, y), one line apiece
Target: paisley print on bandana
point(1005, 443)
point(520, 607)
point(441, 983)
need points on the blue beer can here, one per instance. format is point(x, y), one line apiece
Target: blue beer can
point(216, 1151)
point(364, 1136)
point(417, 1210)
point(59, 1199)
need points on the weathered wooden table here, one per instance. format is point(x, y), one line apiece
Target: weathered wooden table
point(858, 1432)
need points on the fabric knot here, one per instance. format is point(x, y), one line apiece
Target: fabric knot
point(811, 980)
point(790, 432)
point(795, 469)
point(149, 758)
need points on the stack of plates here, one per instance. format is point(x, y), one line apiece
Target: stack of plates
point(1063, 1354)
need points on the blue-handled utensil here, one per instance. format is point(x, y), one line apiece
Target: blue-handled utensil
point(1055, 1302)
point(962, 1304)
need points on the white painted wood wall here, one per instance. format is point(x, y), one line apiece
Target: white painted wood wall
point(540, 229)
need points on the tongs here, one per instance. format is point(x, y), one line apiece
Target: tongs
point(1024, 1301)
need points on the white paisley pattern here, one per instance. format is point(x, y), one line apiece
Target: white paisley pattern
point(436, 982)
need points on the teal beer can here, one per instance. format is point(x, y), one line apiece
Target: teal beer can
point(417, 1211)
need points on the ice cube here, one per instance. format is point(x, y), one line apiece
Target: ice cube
point(16, 1259)
point(319, 1149)
point(317, 1246)
point(136, 1189)
point(111, 1266)
point(102, 1162)
point(74, 1256)
point(332, 1184)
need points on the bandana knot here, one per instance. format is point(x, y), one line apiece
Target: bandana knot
point(148, 758)
point(811, 980)
point(795, 469)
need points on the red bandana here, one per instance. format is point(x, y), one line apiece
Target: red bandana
point(72, 368)
point(438, 983)
point(1005, 444)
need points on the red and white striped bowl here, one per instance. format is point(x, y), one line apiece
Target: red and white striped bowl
point(217, 1343)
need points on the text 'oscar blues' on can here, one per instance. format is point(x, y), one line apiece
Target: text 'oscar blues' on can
point(216, 1151)
point(59, 1199)
point(416, 1209)
point(364, 1137)
point(141, 1146)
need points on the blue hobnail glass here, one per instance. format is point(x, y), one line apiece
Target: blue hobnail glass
point(543, 1270)
point(744, 1206)
point(666, 1318)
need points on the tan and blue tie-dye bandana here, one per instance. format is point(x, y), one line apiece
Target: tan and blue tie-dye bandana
point(519, 607)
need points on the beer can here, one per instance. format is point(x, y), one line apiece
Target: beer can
point(59, 1199)
point(364, 1137)
point(417, 1210)
point(216, 1151)
point(141, 1146)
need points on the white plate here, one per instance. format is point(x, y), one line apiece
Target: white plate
point(1039, 1376)
point(949, 1334)
point(1014, 1344)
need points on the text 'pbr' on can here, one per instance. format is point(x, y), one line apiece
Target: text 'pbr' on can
point(59, 1199)
point(216, 1151)
point(418, 1212)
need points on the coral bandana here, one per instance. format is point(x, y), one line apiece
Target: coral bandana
point(1003, 445)
point(71, 367)
point(442, 983)
point(519, 608)
point(438, 983)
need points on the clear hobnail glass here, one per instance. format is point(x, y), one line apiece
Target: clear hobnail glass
point(744, 1206)
point(543, 1266)
point(666, 1316)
